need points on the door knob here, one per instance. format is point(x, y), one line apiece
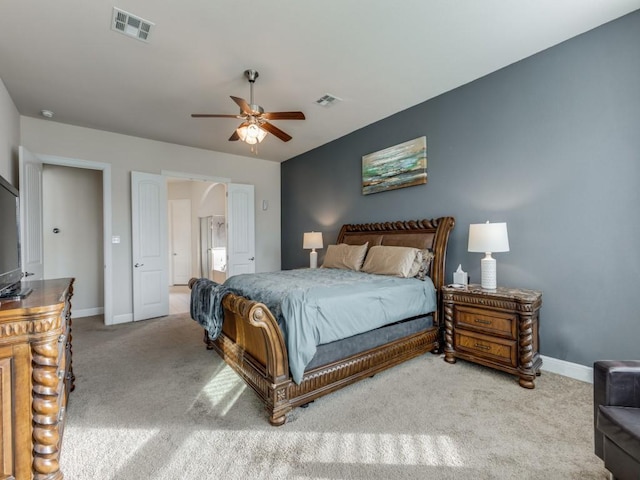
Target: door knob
point(139, 265)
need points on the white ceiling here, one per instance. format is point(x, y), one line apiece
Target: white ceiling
point(379, 56)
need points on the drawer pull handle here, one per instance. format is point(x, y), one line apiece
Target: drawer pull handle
point(60, 374)
point(482, 347)
point(61, 415)
point(62, 338)
point(485, 322)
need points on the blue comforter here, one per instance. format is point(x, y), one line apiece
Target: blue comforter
point(317, 306)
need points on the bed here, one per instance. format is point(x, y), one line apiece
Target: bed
point(253, 344)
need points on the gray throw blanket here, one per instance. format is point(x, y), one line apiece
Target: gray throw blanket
point(206, 305)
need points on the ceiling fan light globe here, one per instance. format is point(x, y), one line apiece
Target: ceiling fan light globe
point(243, 132)
point(252, 130)
point(251, 133)
point(261, 134)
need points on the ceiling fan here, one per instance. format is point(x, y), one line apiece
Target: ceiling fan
point(255, 125)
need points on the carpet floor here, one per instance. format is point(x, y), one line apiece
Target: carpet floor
point(152, 403)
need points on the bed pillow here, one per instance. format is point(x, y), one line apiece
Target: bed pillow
point(346, 257)
point(424, 271)
point(402, 262)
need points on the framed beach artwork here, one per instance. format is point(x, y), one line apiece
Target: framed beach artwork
point(403, 165)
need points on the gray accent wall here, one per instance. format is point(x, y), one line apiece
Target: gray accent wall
point(550, 145)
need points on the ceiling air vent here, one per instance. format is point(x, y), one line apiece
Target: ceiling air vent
point(327, 100)
point(130, 25)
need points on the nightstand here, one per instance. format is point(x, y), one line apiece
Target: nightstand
point(496, 328)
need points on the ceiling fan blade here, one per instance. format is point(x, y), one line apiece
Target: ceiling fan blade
point(214, 115)
point(283, 115)
point(271, 128)
point(244, 106)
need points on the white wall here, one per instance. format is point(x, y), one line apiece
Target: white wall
point(72, 203)
point(212, 200)
point(10, 137)
point(126, 153)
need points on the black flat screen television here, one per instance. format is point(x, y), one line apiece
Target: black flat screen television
point(10, 263)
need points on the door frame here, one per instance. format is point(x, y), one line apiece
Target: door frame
point(106, 221)
point(197, 178)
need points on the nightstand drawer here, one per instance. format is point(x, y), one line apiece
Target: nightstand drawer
point(486, 321)
point(491, 348)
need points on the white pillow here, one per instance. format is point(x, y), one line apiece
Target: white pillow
point(390, 260)
point(346, 257)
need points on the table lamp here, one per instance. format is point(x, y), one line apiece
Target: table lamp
point(487, 238)
point(312, 240)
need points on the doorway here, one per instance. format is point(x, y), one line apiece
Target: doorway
point(197, 236)
point(31, 195)
point(212, 218)
point(239, 208)
point(72, 233)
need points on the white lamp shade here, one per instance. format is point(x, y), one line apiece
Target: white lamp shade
point(488, 237)
point(312, 240)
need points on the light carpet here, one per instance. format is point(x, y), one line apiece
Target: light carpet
point(152, 403)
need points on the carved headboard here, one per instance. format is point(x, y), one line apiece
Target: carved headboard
point(432, 234)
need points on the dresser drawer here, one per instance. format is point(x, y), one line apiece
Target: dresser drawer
point(486, 321)
point(483, 346)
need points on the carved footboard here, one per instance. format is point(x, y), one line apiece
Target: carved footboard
point(252, 344)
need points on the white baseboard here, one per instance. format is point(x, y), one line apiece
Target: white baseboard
point(568, 369)
point(124, 318)
point(87, 312)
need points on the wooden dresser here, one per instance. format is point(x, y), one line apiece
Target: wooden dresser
point(497, 328)
point(36, 377)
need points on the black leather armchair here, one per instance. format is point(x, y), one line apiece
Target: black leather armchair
point(616, 401)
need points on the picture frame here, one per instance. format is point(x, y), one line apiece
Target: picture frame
point(403, 165)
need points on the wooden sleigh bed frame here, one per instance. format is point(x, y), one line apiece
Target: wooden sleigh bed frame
point(253, 345)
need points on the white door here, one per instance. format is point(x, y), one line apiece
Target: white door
point(149, 245)
point(180, 219)
point(241, 251)
point(32, 245)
